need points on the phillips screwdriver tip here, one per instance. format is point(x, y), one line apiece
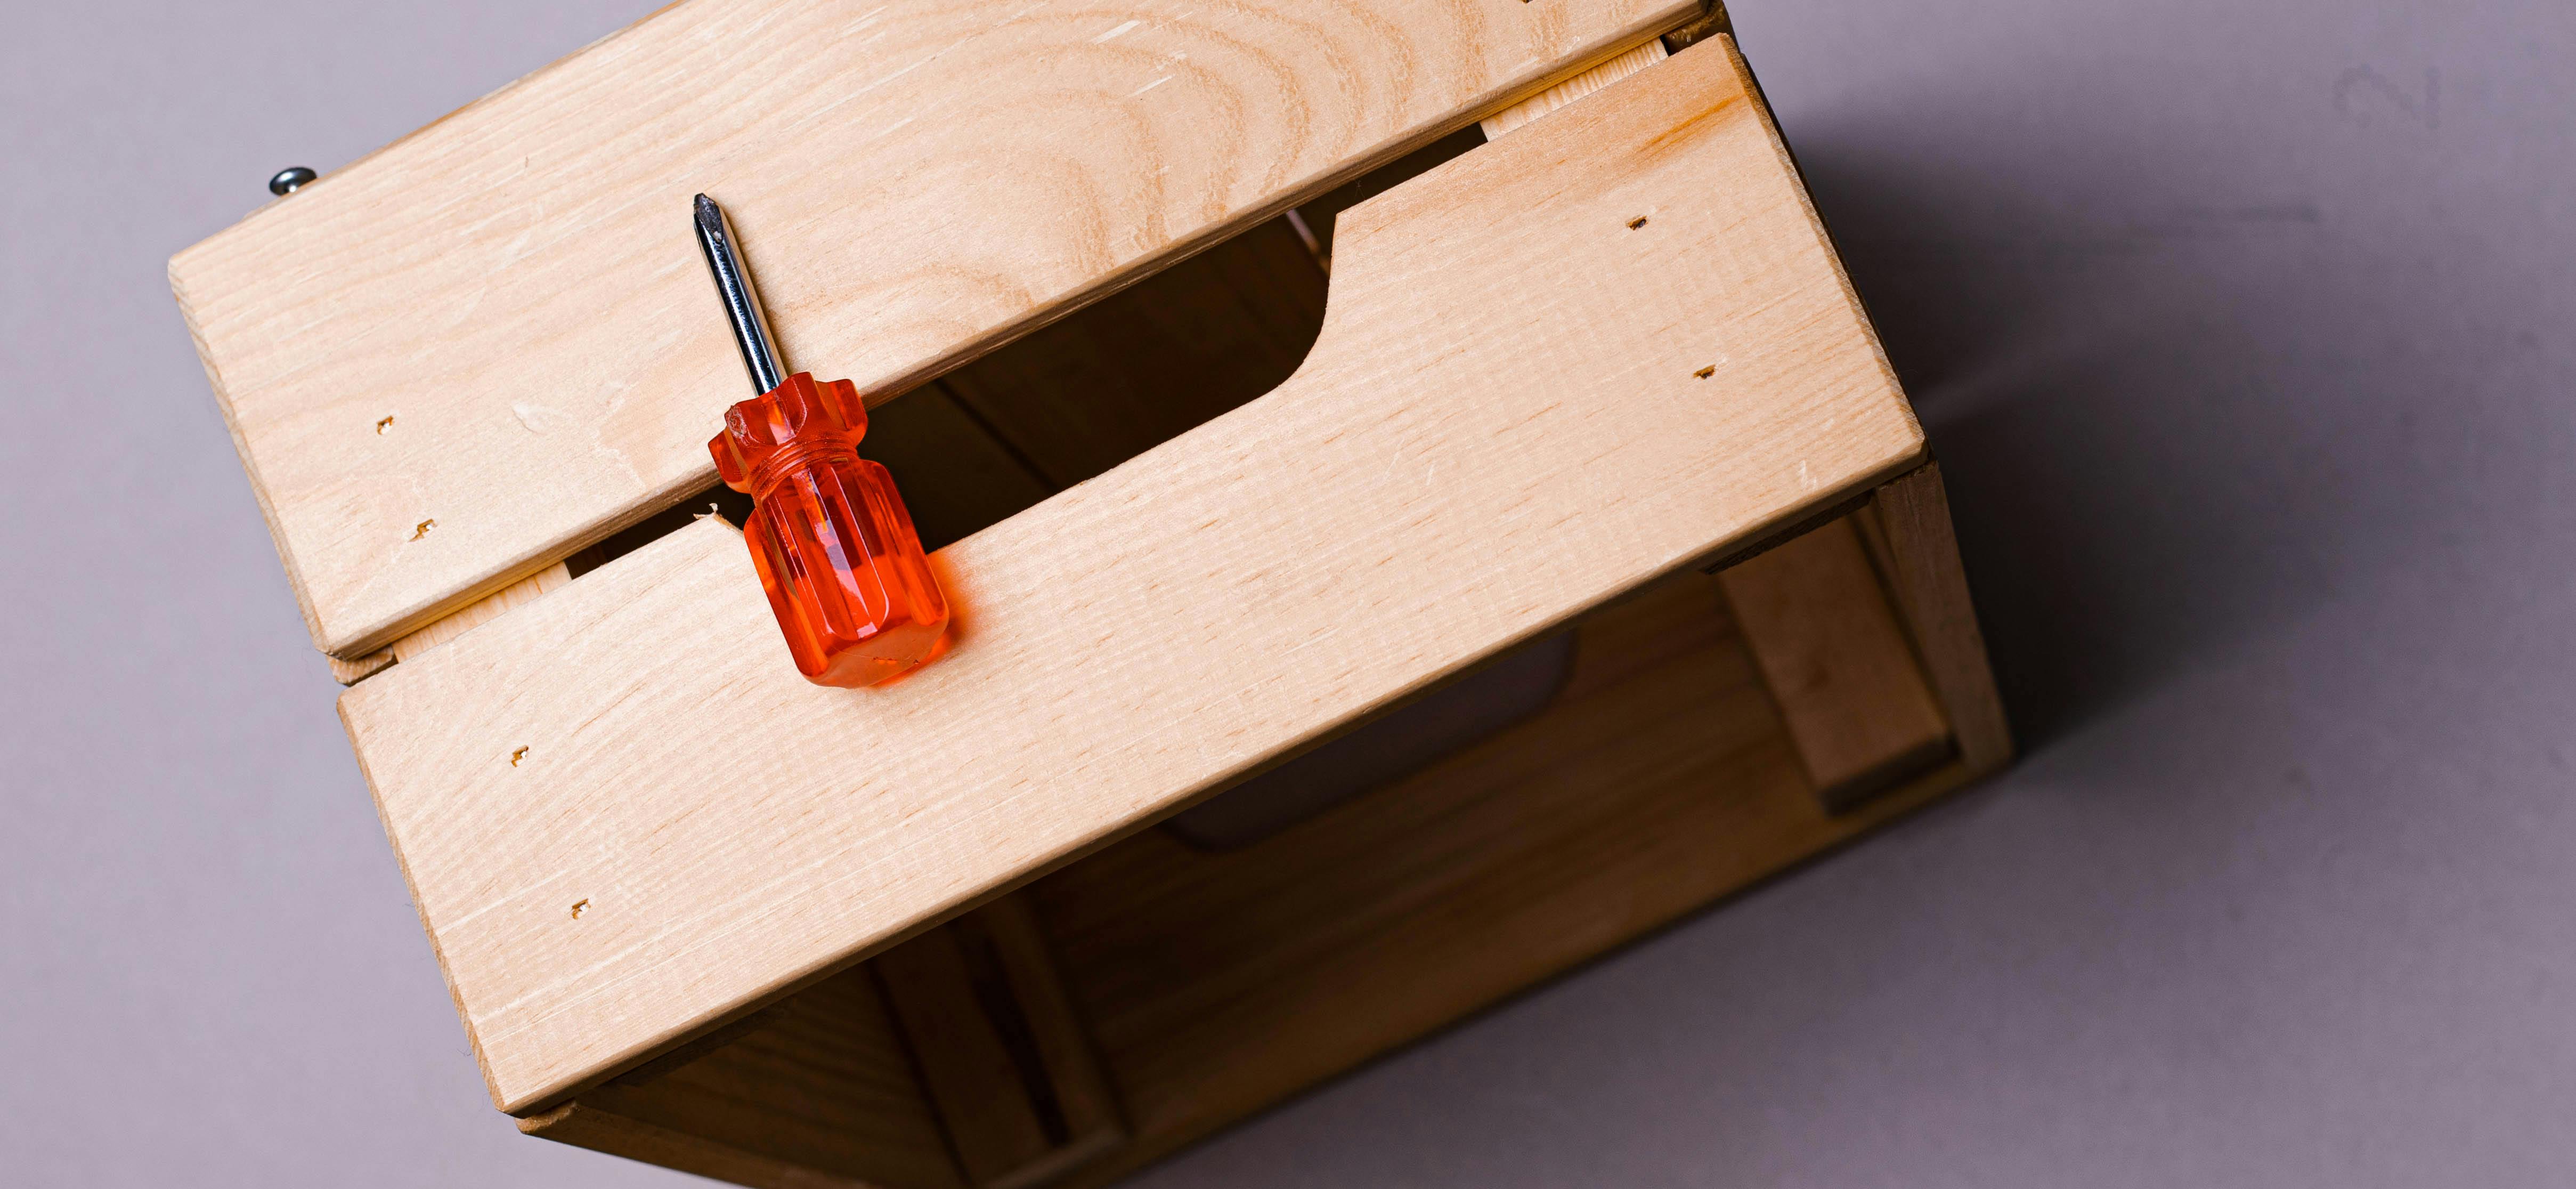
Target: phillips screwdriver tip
point(741, 301)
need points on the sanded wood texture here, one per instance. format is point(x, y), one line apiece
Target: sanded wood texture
point(353, 672)
point(1215, 983)
point(500, 323)
point(517, 594)
point(1837, 663)
point(1626, 63)
point(1466, 459)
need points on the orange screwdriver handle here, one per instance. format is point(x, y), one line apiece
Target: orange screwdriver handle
point(834, 546)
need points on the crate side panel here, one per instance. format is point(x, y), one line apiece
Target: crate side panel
point(1661, 779)
point(1520, 407)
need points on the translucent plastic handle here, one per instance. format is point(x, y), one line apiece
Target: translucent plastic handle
point(829, 535)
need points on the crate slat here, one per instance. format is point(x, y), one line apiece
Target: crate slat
point(1908, 524)
point(498, 324)
point(1838, 664)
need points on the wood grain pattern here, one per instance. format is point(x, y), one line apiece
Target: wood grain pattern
point(1626, 63)
point(1476, 459)
point(353, 672)
point(1838, 664)
point(915, 182)
point(1931, 589)
point(1221, 982)
point(1218, 983)
point(517, 594)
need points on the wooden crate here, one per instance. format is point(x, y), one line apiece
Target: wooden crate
point(1424, 507)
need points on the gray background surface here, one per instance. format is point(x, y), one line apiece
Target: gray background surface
point(2242, 328)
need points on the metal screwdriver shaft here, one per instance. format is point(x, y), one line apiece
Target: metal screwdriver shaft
point(828, 533)
point(742, 301)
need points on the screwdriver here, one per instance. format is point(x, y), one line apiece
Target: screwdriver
point(828, 533)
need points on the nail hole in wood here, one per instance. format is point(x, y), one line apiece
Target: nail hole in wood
point(514, 756)
point(1633, 224)
point(1706, 372)
point(577, 906)
point(380, 426)
point(422, 529)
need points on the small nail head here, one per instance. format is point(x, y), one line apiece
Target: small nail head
point(289, 180)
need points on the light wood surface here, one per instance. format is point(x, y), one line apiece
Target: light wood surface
point(1837, 663)
point(1911, 517)
point(1216, 983)
point(1626, 63)
point(353, 672)
point(1465, 460)
point(915, 181)
point(517, 594)
point(1057, 406)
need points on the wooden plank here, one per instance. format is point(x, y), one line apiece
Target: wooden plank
point(1466, 460)
point(1077, 397)
point(1233, 981)
point(353, 672)
point(498, 323)
point(1626, 63)
point(1837, 664)
point(1317, 215)
point(526, 590)
point(820, 1093)
point(518, 594)
point(999, 1049)
point(1931, 589)
point(1218, 983)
